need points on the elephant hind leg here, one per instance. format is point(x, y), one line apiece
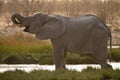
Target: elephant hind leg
point(105, 65)
point(100, 50)
point(100, 55)
point(101, 59)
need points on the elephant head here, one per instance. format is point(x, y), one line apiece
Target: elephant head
point(43, 25)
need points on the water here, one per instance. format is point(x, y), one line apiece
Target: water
point(32, 67)
point(114, 46)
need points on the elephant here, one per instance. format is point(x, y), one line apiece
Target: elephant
point(86, 34)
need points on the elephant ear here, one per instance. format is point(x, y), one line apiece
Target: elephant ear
point(52, 29)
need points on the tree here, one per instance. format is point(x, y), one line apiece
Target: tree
point(25, 7)
point(72, 7)
point(113, 12)
point(1, 5)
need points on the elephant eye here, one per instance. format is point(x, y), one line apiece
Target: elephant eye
point(32, 19)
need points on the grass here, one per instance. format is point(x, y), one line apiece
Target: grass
point(116, 55)
point(20, 46)
point(88, 74)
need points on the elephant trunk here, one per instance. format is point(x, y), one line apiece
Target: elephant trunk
point(17, 19)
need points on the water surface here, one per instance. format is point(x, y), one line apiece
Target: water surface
point(31, 67)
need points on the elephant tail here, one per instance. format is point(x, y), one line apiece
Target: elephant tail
point(110, 55)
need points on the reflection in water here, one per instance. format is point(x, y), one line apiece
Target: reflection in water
point(31, 67)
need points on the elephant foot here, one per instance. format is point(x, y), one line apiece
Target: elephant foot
point(61, 68)
point(109, 66)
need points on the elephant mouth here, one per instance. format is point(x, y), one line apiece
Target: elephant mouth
point(26, 29)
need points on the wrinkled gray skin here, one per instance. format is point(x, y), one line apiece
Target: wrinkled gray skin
point(83, 35)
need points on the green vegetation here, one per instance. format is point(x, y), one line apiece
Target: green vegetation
point(116, 55)
point(20, 48)
point(88, 74)
point(20, 45)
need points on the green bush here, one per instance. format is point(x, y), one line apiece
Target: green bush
point(42, 54)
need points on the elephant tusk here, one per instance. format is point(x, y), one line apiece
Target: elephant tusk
point(17, 20)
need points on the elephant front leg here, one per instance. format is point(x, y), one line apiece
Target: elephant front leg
point(59, 55)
